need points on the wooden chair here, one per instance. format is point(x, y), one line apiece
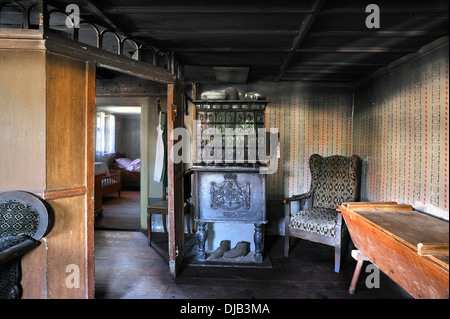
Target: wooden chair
point(334, 180)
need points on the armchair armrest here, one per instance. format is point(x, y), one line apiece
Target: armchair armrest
point(297, 198)
point(12, 247)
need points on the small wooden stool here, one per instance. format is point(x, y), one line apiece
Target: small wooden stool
point(160, 208)
point(360, 259)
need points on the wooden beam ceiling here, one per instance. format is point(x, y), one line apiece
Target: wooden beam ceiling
point(304, 28)
point(91, 6)
point(289, 40)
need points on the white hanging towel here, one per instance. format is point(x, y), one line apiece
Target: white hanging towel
point(159, 159)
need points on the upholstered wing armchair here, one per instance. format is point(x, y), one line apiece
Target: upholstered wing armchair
point(334, 180)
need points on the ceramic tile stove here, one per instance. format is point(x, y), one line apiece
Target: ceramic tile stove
point(229, 186)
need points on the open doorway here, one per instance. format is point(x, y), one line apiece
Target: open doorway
point(119, 89)
point(130, 158)
point(118, 156)
point(133, 102)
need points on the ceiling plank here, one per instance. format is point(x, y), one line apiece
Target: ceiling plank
point(206, 9)
point(329, 70)
point(231, 49)
point(337, 63)
point(386, 9)
point(357, 50)
point(380, 34)
point(289, 50)
point(95, 9)
point(323, 78)
point(184, 32)
point(304, 28)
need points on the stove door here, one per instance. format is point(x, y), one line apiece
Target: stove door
point(231, 196)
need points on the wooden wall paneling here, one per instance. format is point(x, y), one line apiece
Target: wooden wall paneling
point(66, 249)
point(22, 120)
point(22, 131)
point(66, 121)
point(70, 156)
point(34, 272)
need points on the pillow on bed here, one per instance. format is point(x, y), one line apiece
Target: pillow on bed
point(123, 162)
point(134, 166)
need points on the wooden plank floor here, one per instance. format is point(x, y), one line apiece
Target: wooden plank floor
point(127, 268)
point(120, 213)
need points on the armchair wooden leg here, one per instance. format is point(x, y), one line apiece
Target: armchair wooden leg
point(337, 257)
point(338, 244)
point(286, 241)
point(287, 220)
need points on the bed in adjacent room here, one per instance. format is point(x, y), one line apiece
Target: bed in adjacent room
point(107, 181)
point(130, 169)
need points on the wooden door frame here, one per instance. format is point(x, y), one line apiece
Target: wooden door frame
point(175, 179)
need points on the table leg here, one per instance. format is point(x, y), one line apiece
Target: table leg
point(352, 288)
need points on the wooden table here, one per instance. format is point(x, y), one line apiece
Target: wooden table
point(408, 246)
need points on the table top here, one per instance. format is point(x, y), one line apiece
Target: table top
point(412, 227)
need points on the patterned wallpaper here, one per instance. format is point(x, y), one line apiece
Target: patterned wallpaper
point(401, 130)
point(309, 122)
